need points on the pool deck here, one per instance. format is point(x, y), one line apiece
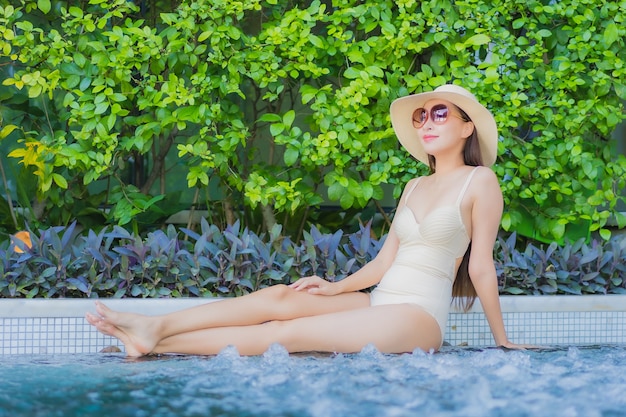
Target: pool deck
point(57, 326)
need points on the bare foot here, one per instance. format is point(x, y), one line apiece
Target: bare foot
point(110, 330)
point(137, 332)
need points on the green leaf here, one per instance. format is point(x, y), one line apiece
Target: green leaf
point(518, 23)
point(308, 93)
point(477, 40)
point(316, 41)
point(335, 191)
point(270, 117)
point(557, 230)
point(352, 73)
point(621, 219)
point(513, 291)
point(346, 201)
point(605, 234)
point(71, 68)
point(44, 5)
point(620, 90)
point(544, 33)
point(367, 190)
point(234, 32)
point(6, 131)
point(375, 71)
point(277, 128)
point(60, 180)
point(35, 91)
point(101, 129)
point(72, 81)
point(387, 28)
point(204, 35)
point(80, 59)
point(611, 34)
point(76, 11)
point(111, 121)
point(506, 221)
point(101, 108)
point(117, 97)
point(491, 75)
point(291, 156)
point(288, 118)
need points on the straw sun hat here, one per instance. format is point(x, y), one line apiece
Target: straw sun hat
point(402, 120)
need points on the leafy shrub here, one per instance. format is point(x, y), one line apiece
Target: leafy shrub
point(281, 105)
point(174, 263)
point(63, 262)
point(573, 268)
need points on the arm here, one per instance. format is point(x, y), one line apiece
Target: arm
point(373, 271)
point(486, 213)
point(368, 275)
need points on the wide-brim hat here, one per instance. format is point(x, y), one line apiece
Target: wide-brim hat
point(402, 109)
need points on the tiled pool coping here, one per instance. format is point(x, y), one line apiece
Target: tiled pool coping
point(57, 326)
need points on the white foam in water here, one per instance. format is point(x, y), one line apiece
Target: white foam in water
point(579, 381)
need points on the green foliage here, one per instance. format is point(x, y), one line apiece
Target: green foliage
point(577, 268)
point(7, 211)
point(285, 104)
point(236, 261)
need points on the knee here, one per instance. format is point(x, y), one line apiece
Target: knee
point(282, 301)
point(280, 332)
point(279, 292)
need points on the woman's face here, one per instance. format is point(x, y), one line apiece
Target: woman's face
point(441, 128)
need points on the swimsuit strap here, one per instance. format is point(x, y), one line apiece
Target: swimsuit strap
point(467, 182)
point(406, 198)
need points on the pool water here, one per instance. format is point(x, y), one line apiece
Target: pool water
point(574, 381)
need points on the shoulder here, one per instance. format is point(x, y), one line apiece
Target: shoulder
point(485, 179)
point(485, 174)
point(408, 188)
point(484, 189)
point(416, 179)
point(412, 183)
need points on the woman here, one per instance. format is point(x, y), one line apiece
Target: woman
point(426, 250)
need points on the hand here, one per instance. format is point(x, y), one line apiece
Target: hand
point(515, 346)
point(315, 285)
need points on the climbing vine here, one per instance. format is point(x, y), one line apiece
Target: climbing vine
point(284, 104)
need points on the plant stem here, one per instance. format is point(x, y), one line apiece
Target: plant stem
point(9, 199)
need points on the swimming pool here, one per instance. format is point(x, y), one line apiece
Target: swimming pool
point(573, 381)
point(54, 326)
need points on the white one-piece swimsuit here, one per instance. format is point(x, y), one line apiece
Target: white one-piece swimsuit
point(424, 268)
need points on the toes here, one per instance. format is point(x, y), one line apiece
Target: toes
point(109, 329)
point(92, 319)
point(101, 325)
point(103, 310)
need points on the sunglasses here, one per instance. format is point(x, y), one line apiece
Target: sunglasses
point(438, 114)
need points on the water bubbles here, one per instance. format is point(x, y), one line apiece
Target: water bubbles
point(229, 353)
point(370, 351)
point(418, 353)
point(276, 355)
point(573, 353)
point(567, 382)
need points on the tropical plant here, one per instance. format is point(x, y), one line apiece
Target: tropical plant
point(574, 268)
point(60, 262)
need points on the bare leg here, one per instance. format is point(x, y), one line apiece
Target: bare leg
point(393, 328)
point(140, 334)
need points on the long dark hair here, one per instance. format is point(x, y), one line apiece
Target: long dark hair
point(463, 291)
